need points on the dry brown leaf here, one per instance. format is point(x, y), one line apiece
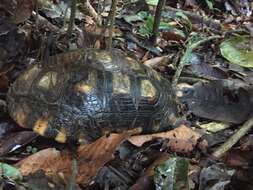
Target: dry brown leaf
point(156, 61)
point(181, 139)
point(57, 165)
point(23, 10)
point(4, 82)
point(92, 157)
point(42, 160)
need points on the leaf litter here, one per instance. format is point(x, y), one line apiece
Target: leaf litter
point(219, 88)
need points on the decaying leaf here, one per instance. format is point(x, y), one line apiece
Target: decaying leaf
point(13, 141)
point(222, 100)
point(156, 61)
point(181, 139)
point(238, 51)
point(215, 177)
point(57, 165)
point(172, 174)
point(146, 180)
point(23, 10)
point(92, 157)
point(207, 70)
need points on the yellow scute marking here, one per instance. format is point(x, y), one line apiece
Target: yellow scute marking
point(86, 86)
point(121, 84)
point(147, 89)
point(41, 126)
point(61, 136)
point(48, 80)
point(103, 57)
point(133, 64)
point(83, 88)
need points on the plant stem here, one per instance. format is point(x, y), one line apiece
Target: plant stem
point(72, 17)
point(111, 18)
point(220, 151)
point(157, 20)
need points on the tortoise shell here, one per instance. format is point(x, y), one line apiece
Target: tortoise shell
point(84, 94)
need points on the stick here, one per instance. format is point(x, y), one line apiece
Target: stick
point(157, 19)
point(111, 18)
point(72, 17)
point(87, 8)
point(220, 151)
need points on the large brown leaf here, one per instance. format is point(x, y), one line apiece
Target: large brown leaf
point(57, 165)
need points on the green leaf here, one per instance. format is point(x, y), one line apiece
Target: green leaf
point(152, 2)
point(10, 171)
point(209, 4)
point(172, 175)
point(146, 30)
point(237, 51)
point(214, 126)
point(132, 18)
point(143, 14)
point(185, 18)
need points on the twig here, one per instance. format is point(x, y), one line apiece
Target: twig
point(111, 18)
point(185, 58)
point(72, 181)
point(72, 17)
point(37, 15)
point(87, 8)
point(220, 151)
point(157, 19)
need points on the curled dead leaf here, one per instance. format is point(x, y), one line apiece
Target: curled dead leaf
point(156, 61)
point(181, 139)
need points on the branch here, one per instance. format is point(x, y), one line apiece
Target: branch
point(72, 17)
point(157, 19)
point(87, 8)
point(220, 151)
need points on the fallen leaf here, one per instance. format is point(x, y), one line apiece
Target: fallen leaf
point(10, 171)
point(57, 165)
point(214, 126)
point(92, 157)
point(23, 10)
point(13, 141)
point(207, 69)
point(172, 174)
point(220, 100)
point(215, 177)
point(156, 61)
point(180, 139)
point(237, 50)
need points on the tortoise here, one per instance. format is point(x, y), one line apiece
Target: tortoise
point(86, 93)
